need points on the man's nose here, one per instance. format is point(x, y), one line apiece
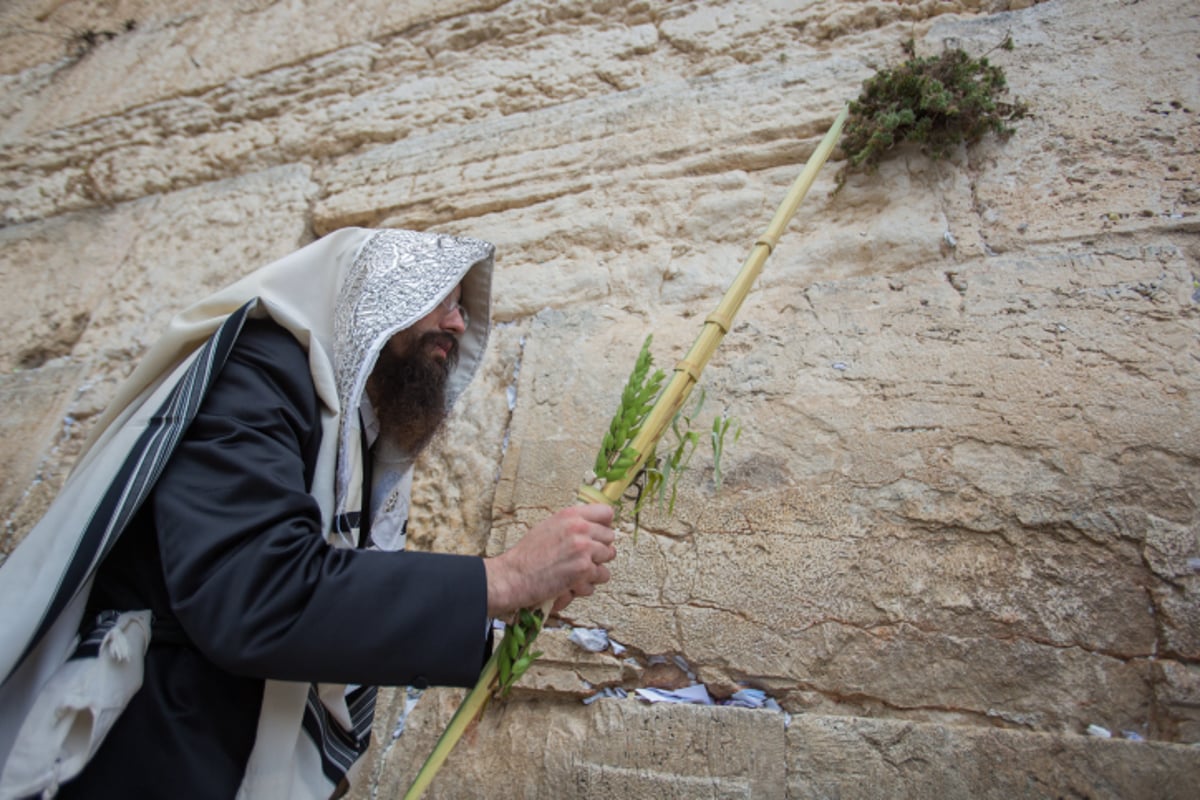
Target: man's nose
point(453, 322)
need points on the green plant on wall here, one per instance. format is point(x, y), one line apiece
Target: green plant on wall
point(937, 101)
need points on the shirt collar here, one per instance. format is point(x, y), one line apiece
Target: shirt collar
point(370, 422)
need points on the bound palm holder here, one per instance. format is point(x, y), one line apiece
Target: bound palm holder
point(628, 447)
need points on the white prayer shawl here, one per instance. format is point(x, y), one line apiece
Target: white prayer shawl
point(342, 297)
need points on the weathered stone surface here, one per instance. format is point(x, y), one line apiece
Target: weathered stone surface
point(612, 748)
point(962, 514)
point(410, 79)
point(1109, 148)
point(657, 132)
point(625, 748)
point(55, 275)
point(107, 286)
point(33, 419)
point(182, 46)
point(856, 758)
point(1177, 685)
point(930, 505)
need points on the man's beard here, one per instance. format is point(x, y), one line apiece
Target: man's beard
point(407, 389)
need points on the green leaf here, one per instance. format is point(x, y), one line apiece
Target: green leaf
point(719, 432)
point(505, 672)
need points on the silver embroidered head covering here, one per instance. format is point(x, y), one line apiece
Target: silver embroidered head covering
point(342, 296)
point(396, 278)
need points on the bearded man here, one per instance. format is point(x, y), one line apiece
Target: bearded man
point(239, 516)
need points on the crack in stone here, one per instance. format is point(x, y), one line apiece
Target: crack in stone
point(987, 717)
point(512, 394)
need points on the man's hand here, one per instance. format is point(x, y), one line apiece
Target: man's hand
point(562, 557)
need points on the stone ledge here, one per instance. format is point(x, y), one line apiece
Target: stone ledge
point(626, 749)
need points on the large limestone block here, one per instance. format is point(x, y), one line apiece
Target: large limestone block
point(295, 113)
point(936, 468)
point(628, 749)
point(636, 246)
point(204, 239)
point(861, 759)
point(55, 274)
point(612, 748)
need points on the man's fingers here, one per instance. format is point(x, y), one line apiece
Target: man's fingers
point(596, 532)
point(602, 553)
point(561, 602)
point(566, 553)
point(601, 513)
point(602, 533)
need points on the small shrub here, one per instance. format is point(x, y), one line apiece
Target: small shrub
point(938, 101)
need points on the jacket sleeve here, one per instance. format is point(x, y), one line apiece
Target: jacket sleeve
point(250, 577)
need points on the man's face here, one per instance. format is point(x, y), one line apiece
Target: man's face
point(407, 388)
point(435, 334)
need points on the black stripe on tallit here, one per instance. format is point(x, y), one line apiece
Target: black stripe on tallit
point(89, 644)
point(141, 469)
point(340, 748)
point(347, 523)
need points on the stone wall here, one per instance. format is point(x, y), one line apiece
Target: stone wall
point(960, 525)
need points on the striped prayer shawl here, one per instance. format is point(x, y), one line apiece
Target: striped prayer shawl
point(342, 297)
point(141, 470)
point(338, 746)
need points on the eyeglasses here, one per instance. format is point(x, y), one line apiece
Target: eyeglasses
point(450, 305)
